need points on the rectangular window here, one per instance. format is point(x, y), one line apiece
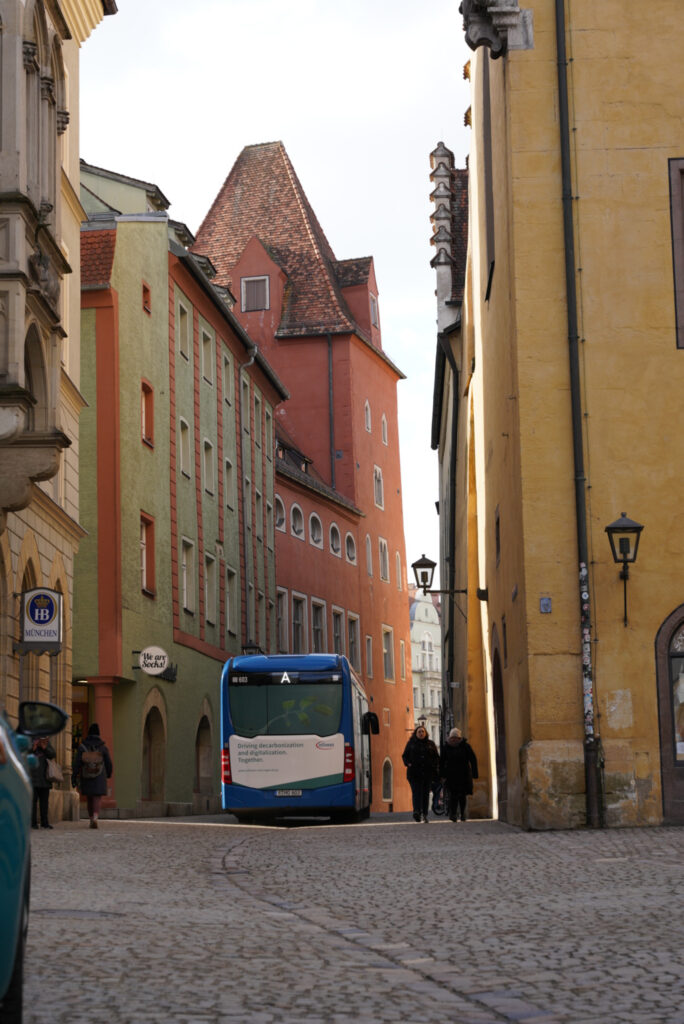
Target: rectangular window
point(229, 484)
point(353, 641)
point(227, 380)
point(369, 657)
point(257, 421)
point(209, 483)
point(338, 631)
point(378, 487)
point(677, 221)
point(388, 652)
point(147, 566)
point(231, 601)
point(183, 331)
point(268, 434)
point(258, 514)
point(375, 321)
point(281, 621)
point(184, 448)
point(207, 357)
point(254, 291)
point(210, 589)
point(269, 526)
point(402, 658)
point(188, 575)
point(248, 504)
point(245, 406)
point(147, 413)
point(317, 628)
point(298, 625)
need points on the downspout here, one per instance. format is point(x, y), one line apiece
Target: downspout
point(593, 760)
point(246, 577)
point(331, 413)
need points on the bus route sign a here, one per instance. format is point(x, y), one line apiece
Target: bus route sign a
point(41, 621)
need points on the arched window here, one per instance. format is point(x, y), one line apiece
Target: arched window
point(387, 779)
point(367, 414)
point(369, 555)
point(279, 514)
point(297, 522)
point(350, 548)
point(378, 488)
point(384, 429)
point(36, 380)
point(315, 531)
point(335, 541)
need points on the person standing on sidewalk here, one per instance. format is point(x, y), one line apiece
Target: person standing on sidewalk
point(91, 769)
point(458, 768)
point(43, 751)
point(421, 758)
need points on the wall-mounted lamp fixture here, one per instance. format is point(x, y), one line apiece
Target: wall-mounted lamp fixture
point(624, 536)
point(424, 571)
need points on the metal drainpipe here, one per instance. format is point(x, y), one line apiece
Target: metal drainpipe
point(241, 367)
point(331, 413)
point(593, 761)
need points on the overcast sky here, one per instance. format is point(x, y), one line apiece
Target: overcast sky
point(359, 92)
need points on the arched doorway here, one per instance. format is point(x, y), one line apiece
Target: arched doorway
point(670, 678)
point(154, 756)
point(499, 735)
point(203, 758)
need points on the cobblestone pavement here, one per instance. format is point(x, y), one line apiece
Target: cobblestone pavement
point(206, 922)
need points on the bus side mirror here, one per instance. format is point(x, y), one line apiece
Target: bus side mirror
point(371, 723)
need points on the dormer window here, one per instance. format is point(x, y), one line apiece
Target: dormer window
point(255, 294)
point(375, 319)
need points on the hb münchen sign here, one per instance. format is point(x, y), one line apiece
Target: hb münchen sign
point(40, 621)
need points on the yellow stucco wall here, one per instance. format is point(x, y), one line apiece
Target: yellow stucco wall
point(626, 113)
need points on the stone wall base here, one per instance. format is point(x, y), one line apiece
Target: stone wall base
point(552, 786)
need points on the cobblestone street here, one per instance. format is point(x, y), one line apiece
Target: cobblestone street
point(206, 922)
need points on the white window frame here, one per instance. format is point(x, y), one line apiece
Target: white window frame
point(354, 626)
point(185, 448)
point(227, 379)
point(369, 555)
point(378, 487)
point(350, 558)
point(280, 521)
point(207, 346)
point(337, 615)
point(374, 311)
point(369, 656)
point(184, 330)
point(208, 466)
point(187, 581)
point(301, 533)
point(384, 429)
point(388, 653)
point(335, 530)
point(383, 556)
point(244, 281)
point(367, 416)
point(300, 600)
point(315, 520)
point(319, 606)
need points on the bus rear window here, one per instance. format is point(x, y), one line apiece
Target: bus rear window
point(276, 710)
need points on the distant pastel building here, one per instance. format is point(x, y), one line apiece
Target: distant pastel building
point(426, 664)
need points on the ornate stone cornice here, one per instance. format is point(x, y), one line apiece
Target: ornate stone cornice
point(30, 54)
point(499, 24)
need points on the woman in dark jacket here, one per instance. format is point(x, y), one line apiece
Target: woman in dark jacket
point(421, 758)
point(91, 769)
point(43, 751)
point(458, 767)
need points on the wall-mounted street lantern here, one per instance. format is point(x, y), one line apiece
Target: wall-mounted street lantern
point(424, 571)
point(624, 536)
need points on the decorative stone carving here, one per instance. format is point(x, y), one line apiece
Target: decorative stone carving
point(62, 121)
point(47, 89)
point(30, 52)
point(499, 24)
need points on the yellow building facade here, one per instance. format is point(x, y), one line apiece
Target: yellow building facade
point(40, 400)
point(568, 359)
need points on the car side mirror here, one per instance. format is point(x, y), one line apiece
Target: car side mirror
point(371, 723)
point(37, 718)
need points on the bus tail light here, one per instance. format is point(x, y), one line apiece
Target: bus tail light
point(226, 774)
point(349, 772)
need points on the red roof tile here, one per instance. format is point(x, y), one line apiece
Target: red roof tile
point(97, 257)
point(263, 197)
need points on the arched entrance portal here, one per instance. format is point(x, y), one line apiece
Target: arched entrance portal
point(203, 758)
point(154, 756)
point(670, 676)
point(499, 735)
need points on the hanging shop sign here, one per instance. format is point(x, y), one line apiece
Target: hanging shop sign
point(153, 660)
point(40, 621)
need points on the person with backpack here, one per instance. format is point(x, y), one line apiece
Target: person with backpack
point(91, 769)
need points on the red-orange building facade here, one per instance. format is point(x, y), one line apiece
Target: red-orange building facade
point(340, 552)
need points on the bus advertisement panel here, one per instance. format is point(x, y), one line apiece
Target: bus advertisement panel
point(295, 737)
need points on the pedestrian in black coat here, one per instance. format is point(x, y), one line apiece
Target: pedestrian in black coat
point(458, 767)
point(91, 769)
point(43, 751)
point(421, 758)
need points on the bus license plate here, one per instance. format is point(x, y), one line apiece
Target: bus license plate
point(288, 792)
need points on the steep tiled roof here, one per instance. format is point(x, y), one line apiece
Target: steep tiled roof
point(263, 197)
point(351, 272)
point(97, 257)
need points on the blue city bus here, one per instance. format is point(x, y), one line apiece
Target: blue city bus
point(295, 737)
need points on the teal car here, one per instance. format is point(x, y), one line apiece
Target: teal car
point(16, 798)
